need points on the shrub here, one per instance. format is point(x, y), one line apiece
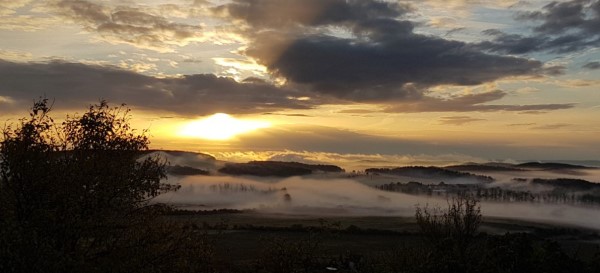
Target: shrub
point(451, 232)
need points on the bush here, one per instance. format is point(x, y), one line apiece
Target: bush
point(451, 232)
point(77, 196)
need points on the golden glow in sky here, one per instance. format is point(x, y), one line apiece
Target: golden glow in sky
point(221, 126)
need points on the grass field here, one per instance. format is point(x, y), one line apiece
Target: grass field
point(244, 236)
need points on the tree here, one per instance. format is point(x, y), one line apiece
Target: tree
point(451, 232)
point(77, 196)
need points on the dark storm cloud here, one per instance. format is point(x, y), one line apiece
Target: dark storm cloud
point(383, 60)
point(128, 24)
point(592, 65)
point(74, 85)
point(563, 27)
point(285, 13)
point(391, 66)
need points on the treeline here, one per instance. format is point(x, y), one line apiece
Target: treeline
point(568, 184)
point(430, 173)
point(232, 187)
point(497, 194)
point(276, 168)
point(185, 170)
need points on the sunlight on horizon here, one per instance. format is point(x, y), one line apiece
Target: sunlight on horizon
point(221, 126)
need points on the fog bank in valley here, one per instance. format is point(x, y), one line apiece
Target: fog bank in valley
point(324, 195)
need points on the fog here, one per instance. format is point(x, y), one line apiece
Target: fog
point(326, 196)
point(352, 194)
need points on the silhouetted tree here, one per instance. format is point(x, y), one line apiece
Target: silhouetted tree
point(76, 197)
point(451, 232)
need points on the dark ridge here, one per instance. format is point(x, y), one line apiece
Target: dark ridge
point(185, 170)
point(276, 168)
point(483, 168)
point(567, 183)
point(430, 173)
point(551, 166)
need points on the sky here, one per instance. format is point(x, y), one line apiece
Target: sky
point(438, 81)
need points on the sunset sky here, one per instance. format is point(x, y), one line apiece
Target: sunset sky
point(320, 80)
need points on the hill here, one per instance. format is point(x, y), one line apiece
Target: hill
point(430, 173)
point(276, 168)
point(488, 167)
point(567, 183)
point(551, 166)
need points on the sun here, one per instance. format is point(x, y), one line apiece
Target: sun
point(221, 126)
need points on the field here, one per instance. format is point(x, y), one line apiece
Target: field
point(246, 236)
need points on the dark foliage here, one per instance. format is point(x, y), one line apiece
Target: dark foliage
point(567, 183)
point(430, 173)
point(276, 168)
point(185, 170)
point(483, 168)
point(76, 197)
point(561, 191)
point(551, 166)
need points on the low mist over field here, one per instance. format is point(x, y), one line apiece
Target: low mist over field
point(362, 193)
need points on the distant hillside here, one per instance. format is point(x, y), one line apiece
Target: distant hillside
point(185, 170)
point(505, 167)
point(430, 173)
point(483, 168)
point(276, 168)
point(567, 183)
point(551, 166)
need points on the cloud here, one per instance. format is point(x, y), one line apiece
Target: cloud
point(9, 7)
point(575, 83)
point(552, 126)
point(592, 65)
point(564, 27)
point(470, 102)
point(396, 66)
point(269, 14)
point(311, 138)
point(11, 55)
point(357, 111)
point(350, 161)
point(458, 120)
point(287, 115)
point(362, 51)
point(520, 124)
point(74, 85)
point(129, 25)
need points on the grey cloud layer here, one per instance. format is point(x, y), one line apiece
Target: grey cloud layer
point(458, 120)
point(563, 27)
point(332, 140)
point(381, 60)
point(469, 103)
point(128, 24)
point(396, 68)
point(287, 13)
point(592, 65)
point(75, 84)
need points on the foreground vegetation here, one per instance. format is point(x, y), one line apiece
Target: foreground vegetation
point(77, 197)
